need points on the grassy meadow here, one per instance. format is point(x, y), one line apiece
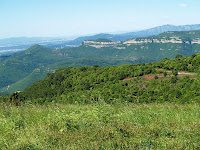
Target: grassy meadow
point(100, 126)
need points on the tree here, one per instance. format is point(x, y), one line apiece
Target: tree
point(165, 73)
point(194, 55)
point(15, 98)
point(179, 56)
point(156, 77)
point(175, 73)
point(174, 79)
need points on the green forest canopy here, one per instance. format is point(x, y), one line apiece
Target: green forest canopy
point(90, 84)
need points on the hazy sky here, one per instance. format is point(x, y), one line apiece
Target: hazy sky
point(79, 17)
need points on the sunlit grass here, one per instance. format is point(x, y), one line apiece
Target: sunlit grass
point(100, 126)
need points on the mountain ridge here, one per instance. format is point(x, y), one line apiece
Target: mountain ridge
point(12, 45)
point(142, 33)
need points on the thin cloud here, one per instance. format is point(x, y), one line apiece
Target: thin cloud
point(183, 5)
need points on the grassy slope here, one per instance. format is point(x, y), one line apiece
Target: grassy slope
point(3, 58)
point(25, 82)
point(100, 126)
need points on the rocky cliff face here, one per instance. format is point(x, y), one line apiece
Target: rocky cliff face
point(115, 44)
point(122, 45)
point(163, 40)
point(191, 37)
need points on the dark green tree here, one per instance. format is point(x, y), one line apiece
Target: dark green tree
point(175, 72)
point(179, 56)
point(165, 73)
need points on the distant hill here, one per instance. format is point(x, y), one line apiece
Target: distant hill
point(21, 64)
point(10, 46)
point(22, 69)
point(153, 48)
point(158, 30)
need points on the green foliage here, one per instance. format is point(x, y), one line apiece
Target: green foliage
point(179, 56)
point(3, 99)
point(22, 64)
point(175, 72)
point(90, 84)
point(86, 84)
point(100, 126)
point(41, 73)
point(174, 79)
point(165, 73)
point(15, 98)
point(102, 40)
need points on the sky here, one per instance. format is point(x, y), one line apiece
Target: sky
point(66, 18)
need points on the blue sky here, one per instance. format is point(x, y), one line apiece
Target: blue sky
point(53, 18)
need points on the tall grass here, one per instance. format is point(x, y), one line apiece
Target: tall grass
point(100, 126)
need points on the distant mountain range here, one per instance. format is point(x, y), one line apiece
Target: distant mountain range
point(158, 30)
point(129, 35)
point(13, 45)
point(153, 48)
point(22, 69)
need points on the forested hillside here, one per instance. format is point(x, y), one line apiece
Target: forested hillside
point(167, 80)
point(20, 65)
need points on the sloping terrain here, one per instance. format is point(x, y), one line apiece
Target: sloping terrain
point(40, 73)
point(109, 84)
point(20, 65)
